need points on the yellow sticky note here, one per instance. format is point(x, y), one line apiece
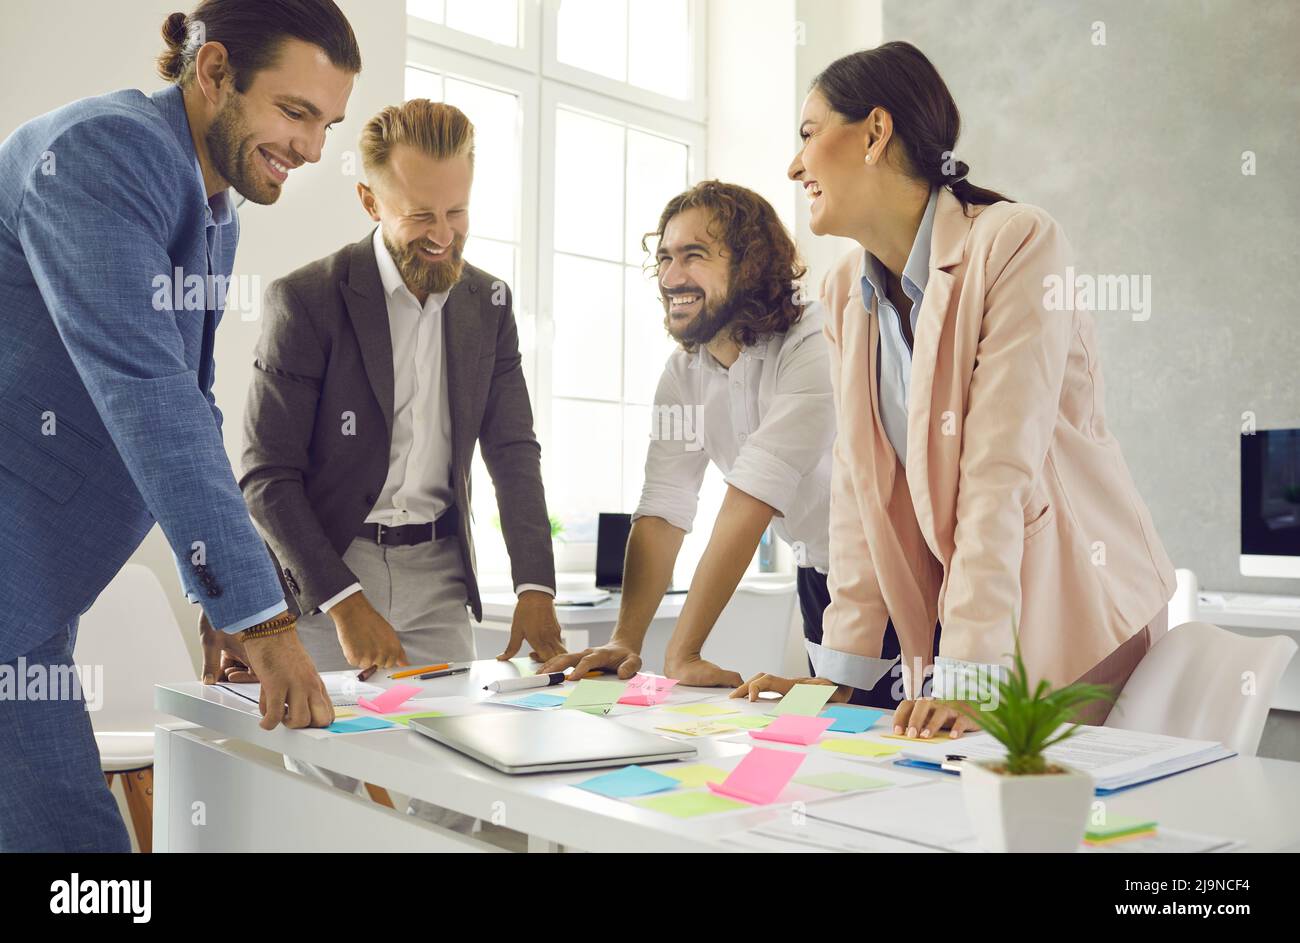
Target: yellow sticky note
point(405, 719)
point(699, 728)
point(933, 738)
point(703, 710)
point(339, 714)
point(687, 805)
point(694, 775)
point(860, 747)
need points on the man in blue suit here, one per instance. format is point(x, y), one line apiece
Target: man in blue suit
point(117, 233)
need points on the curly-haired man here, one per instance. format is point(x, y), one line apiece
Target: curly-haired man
point(749, 390)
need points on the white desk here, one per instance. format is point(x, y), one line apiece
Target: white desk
point(220, 785)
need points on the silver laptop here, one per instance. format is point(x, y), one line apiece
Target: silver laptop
point(545, 741)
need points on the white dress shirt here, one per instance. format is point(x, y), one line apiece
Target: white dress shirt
point(418, 488)
point(767, 421)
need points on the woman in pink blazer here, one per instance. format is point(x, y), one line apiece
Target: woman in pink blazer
point(976, 485)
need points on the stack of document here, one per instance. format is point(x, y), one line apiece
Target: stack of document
point(1115, 758)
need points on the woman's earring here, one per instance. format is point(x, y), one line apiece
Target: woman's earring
point(868, 158)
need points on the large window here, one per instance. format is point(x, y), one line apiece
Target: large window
point(588, 118)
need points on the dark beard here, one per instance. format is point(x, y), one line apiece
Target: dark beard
point(710, 322)
point(428, 278)
point(231, 152)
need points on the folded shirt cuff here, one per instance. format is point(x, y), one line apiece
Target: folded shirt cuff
point(339, 597)
point(965, 680)
point(676, 507)
point(858, 671)
point(255, 619)
point(525, 587)
point(763, 476)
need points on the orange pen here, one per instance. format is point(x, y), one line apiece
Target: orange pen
point(418, 671)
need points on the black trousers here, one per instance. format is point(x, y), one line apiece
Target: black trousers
point(814, 597)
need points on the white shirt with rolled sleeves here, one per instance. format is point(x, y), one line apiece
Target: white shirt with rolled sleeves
point(767, 422)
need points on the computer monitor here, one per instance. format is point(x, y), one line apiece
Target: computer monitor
point(1270, 503)
point(611, 546)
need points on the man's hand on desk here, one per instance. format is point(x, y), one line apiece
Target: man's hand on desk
point(368, 641)
point(765, 682)
point(696, 672)
point(534, 622)
point(223, 655)
point(927, 716)
point(292, 691)
point(616, 658)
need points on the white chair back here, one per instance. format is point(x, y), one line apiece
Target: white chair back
point(1183, 606)
point(752, 632)
point(1205, 683)
point(131, 636)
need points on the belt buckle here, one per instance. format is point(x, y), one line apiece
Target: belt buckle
point(379, 534)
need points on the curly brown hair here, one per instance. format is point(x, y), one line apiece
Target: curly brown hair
point(765, 264)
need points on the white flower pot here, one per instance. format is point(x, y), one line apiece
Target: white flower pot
point(1046, 812)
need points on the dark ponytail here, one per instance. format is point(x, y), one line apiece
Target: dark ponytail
point(171, 63)
point(900, 79)
point(252, 31)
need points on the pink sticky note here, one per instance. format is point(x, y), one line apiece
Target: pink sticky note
point(391, 699)
point(760, 776)
point(647, 690)
point(794, 728)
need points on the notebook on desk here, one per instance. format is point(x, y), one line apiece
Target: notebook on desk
point(1115, 758)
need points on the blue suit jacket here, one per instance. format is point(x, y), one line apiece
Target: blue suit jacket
point(107, 420)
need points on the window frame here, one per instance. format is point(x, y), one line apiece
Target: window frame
point(543, 85)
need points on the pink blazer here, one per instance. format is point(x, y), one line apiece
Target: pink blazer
point(1016, 501)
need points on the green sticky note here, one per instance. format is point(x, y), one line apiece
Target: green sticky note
point(842, 782)
point(859, 747)
point(590, 693)
point(527, 667)
point(695, 775)
point(688, 805)
point(749, 721)
point(703, 710)
point(405, 720)
point(1116, 826)
point(805, 699)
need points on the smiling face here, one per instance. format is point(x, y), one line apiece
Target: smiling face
point(279, 122)
point(694, 272)
point(422, 205)
point(831, 165)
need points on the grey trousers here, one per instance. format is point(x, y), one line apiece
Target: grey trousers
point(421, 591)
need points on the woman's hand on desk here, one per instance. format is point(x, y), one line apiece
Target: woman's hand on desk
point(927, 716)
point(618, 659)
point(756, 685)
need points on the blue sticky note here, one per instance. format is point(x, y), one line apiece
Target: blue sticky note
point(358, 725)
point(537, 701)
point(852, 719)
point(629, 781)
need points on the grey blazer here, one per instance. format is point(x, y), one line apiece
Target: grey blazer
point(325, 363)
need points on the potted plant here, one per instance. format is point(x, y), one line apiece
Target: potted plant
point(1024, 801)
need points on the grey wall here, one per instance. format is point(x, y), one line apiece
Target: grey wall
point(1135, 147)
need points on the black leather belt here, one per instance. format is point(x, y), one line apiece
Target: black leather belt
point(410, 534)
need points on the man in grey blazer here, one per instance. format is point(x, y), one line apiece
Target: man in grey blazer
point(378, 369)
